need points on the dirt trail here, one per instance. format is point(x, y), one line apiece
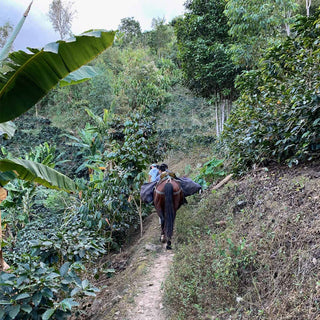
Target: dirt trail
point(136, 289)
point(148, 303)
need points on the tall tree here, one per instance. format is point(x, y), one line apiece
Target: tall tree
point(4, 33)
point(308, 7)
point(162, 36)
point(203, 39)
point(130, 29)
point(256, 25)
point(203, 42)
point(61, 16)
point(277, 116)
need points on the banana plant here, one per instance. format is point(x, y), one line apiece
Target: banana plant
point(6, 49)
point(32, 75)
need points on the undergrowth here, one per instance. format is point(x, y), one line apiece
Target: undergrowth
point(250, 250)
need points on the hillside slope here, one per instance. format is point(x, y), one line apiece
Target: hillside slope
point(250, 250)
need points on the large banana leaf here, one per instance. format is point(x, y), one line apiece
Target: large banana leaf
point(5, 177)
point(6, 49)
point(35, 74)
point(7, 129)
point(80, 75)
point(36, 172)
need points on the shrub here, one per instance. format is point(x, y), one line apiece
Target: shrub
point(277, 116)
point(35, 291)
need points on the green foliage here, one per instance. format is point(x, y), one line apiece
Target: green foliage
point(108, 198)
point(186, 123)
point(55, 59)
point(314, 5)
point(66, 106)
point(211, 170)
point(72, 243)
point(231, 258)
point(277, 115)
point(113, 148)
point(90, 144)
point(130, 32)
point(203, 47)
point(23, 195)
point(58, 242)
point(161, 39)
point(209, 266)
point(34, 291)
point(234, 249)
point(257, 25)
point(36, 172)
point(130, 78)
point(140, 83)
point(17, 206)
point(44, 154)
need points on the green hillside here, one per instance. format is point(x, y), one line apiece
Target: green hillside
point(224, 89)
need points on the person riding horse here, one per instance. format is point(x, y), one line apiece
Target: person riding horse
point(163, 171)
point(167, 194)
point(167, 198)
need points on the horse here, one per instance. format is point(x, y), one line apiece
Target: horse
point(167, 198)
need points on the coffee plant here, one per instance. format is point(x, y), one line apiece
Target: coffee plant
point(34, 290)
point(277, 116)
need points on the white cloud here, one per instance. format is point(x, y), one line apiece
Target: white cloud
point(108, 14)
point(91, 14)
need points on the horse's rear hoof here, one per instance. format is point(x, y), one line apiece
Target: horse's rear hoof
point(163, 239)
point(168, 247)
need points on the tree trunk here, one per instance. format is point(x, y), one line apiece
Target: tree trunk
point(222, 110)
point(3, 265)
point(217, 120)
point(308, 5)
point(222, 114)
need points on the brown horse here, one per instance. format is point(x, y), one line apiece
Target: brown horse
point(167, 198)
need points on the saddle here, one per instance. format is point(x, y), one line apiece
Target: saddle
point(167, 175)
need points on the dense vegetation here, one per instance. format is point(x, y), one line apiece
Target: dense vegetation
point(246, 252)
point(105, 132)
point(107, 137)
point(277, 115)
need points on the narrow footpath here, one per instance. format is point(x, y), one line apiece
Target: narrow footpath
point(135, 291)
point(148, 304)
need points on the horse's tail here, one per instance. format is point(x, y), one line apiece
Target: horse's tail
point(169, 211)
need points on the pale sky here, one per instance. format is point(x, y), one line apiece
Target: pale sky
point(90, 14)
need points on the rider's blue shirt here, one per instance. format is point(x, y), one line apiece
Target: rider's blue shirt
point(153, 173)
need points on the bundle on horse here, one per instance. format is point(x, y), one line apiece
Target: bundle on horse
point(167, 198)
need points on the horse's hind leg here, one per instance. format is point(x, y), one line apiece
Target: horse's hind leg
point(168, 247)
point(162, 237)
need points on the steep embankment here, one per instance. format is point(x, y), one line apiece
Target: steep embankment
point(248, 251)
point(251, 250)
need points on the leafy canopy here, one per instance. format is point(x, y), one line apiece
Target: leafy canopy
point(256, 25)
point(203, 42)
point(277, 116)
